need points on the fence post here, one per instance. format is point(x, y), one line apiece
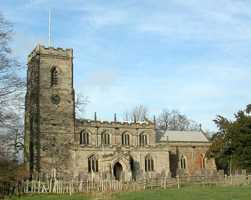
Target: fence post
point(178, 181)
point(39, 185)
point(225, 179)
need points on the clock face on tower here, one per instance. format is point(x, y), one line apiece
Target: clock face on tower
point(55, 99)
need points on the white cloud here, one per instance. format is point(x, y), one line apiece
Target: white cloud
point(102, 78)
point(201, 86)
point(196, 21)
point(103, 18)
point(176, 19)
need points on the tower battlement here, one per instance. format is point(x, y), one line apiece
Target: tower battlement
point(50, 51)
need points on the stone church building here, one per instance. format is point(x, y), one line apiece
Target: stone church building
point(56, 140)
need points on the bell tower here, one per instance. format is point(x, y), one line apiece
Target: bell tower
point(49, 110)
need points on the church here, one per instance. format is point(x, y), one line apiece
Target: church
point(56, 140)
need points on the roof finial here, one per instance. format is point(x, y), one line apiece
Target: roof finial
point(95, 116)
point(115, 117)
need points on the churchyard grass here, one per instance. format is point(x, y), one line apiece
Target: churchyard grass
point(191, 193)
point(184, 193)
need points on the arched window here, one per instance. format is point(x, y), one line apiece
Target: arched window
point(105, 139)
point(125, 139)
point(183, 164)
point(142, 139)
point(149, 164)
point(54, 76)
point(202, 161)
point(92, 164)
point(84, 137)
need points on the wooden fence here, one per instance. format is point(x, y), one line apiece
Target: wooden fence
point(60, 186)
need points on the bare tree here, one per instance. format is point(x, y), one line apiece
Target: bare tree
point(174, 120)
point(138, 113)
point(127, 116)
point(11, 170)
point(10, 81)
point(81, 102)
point(11, 87)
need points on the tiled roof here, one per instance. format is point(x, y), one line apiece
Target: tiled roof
point(183, 136)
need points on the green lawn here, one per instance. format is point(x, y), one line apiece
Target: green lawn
point(53, 197)
point(185, 193)
point(191, 193)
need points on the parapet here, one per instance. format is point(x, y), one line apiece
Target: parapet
point(115, 124)
point(50, 51)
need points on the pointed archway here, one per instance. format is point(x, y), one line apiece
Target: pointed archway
point(117, 171)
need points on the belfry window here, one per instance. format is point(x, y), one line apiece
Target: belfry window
point(142, 139)
point(105, 139)
point(84, 137)
point(92, 164)
point(125, 139)
point(183, 164)
point(149, 164)
point(54, 76)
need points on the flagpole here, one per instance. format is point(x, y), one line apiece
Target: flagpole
point(49, 28)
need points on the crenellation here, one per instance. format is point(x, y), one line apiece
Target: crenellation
point(50, 51)
point(116, 124)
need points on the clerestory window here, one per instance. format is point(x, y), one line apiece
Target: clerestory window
point(105, 139)
point(84, 137)
point(125, 139)
point(143, 139)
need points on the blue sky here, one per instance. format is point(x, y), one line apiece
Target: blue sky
point(193, 56)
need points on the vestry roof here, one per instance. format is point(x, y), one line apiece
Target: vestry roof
point(184, 136)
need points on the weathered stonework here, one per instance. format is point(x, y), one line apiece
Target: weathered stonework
point(48, 125)
point(55, 139)
point(115, 152)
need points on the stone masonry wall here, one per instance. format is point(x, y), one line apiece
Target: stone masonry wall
point(55, 121)
point(116, 152)
point(194, 154)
